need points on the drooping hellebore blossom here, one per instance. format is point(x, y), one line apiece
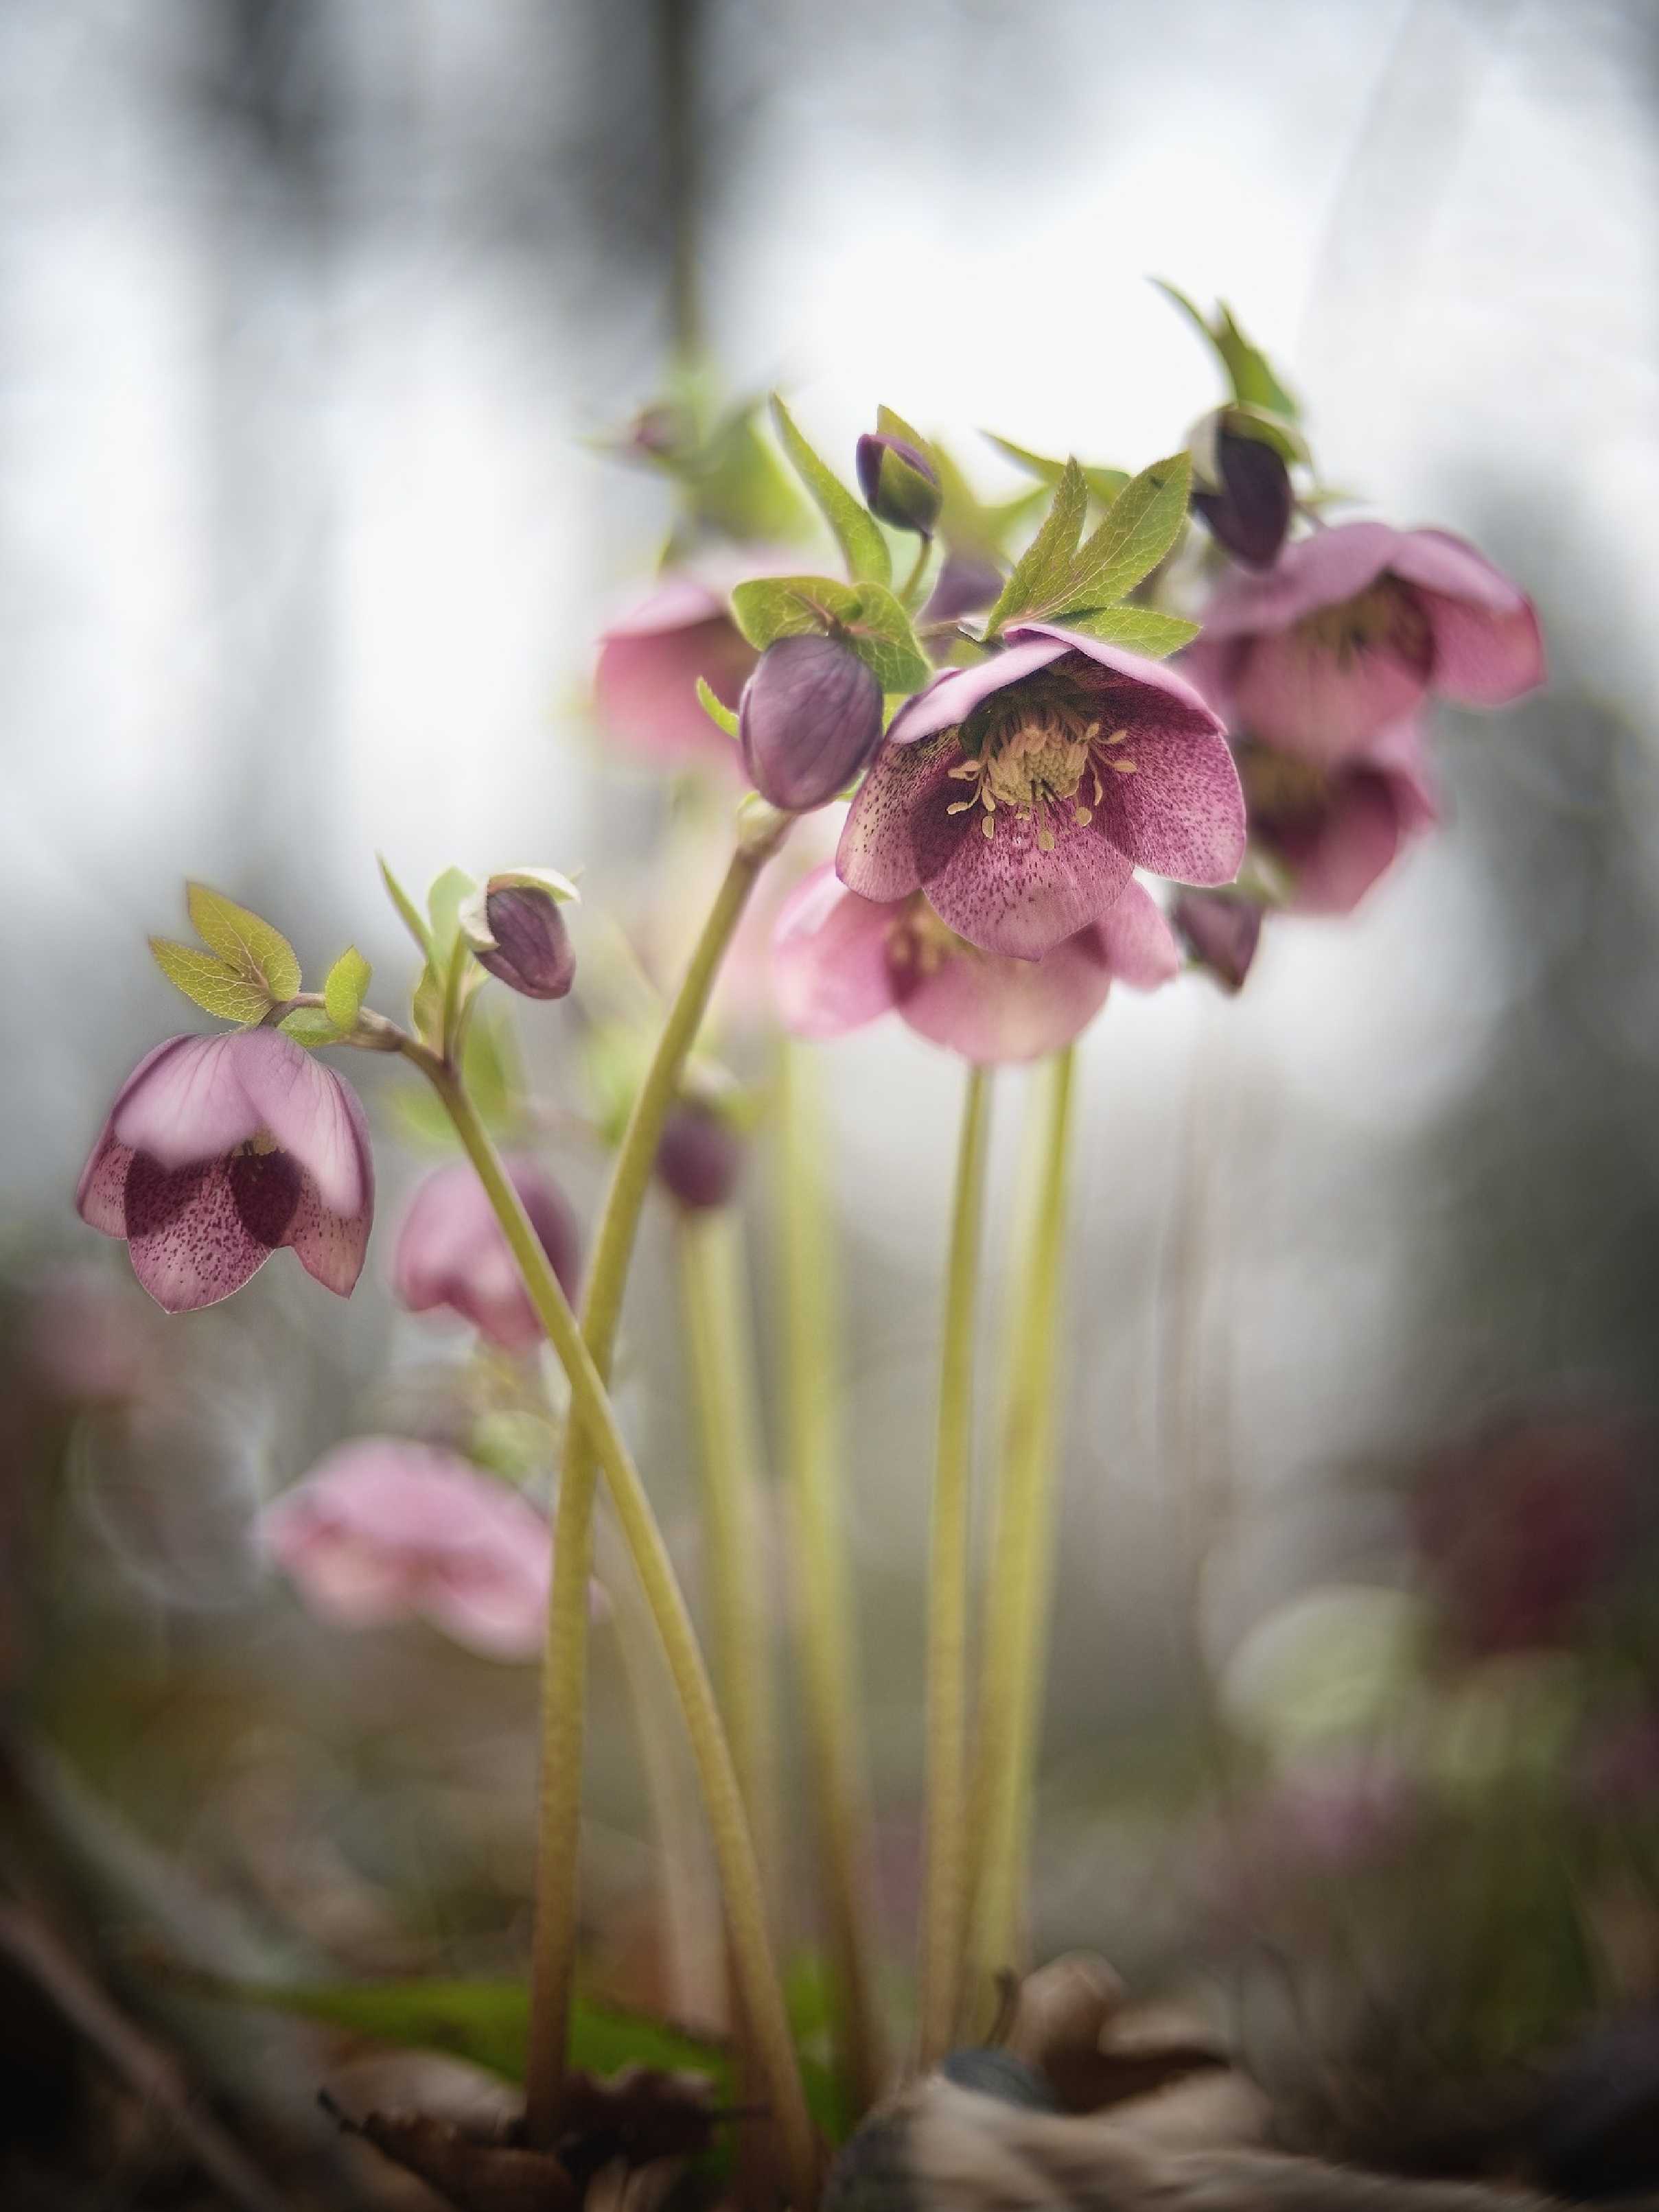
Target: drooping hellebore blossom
point(518, 934)
point(220, 1150)
point(1353, 628)
point(1334, 830)
point(452, 1252)
point(1021, 795)
point(809, 719)
point(900, 484)
point(383, 1529)
point(645, 683)
point(839, 960)
point(699, 1155)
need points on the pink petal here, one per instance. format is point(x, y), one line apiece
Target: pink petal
point(1354, 841)
point(330, 1247)
point(1181, 814)
point(877, 856)
point(190, 1242)
point(452, 1251)
point(1450, 566)
point(313, 1113)
point(100, 1196)
point(1003, 892)
point(1294, 693)
point(953, 695)
point(187, 1102)
point(1314, 572)
point(1137, 942)
point(645, 680)
point(1483, 657)
point(1148, 691)
point(992, 1009)
point(494, 1607)
point(829, 970)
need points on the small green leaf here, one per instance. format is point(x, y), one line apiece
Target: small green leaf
point(309, 1026)
point(444, 902)
point(1274, 430)
point(770, 607)
point(1141, 525)
point(249, 946)
point(426, 1003)
point(881, 636)
point(209, 982)
point(718, 712)
point(1248, 369)
point(735, 484)
point(892, 425)
point(1044, 570)
point(408, 910)
point(1104, 485)
point(343, 990)
point(1140, 629)
point(862, 545)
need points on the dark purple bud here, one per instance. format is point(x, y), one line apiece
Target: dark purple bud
point(517, 932)
point(809, 719)
point(966, 582)
point(699, 1157)
point(900, 484)
point(1248, 511)
point(1221, 932)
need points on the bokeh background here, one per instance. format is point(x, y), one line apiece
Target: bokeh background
point(313, 316)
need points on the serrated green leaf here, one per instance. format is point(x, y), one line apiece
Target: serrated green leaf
point(409, 913)
point(1141, 525)
point(309, 1026)
point(210, 983)
point(717, 711)
point(862, 545)
point(247, 944)
point(344, 987)
point(1139, 630)
point(1104, 485)
point(1045, 567)
point(881, 636)
point(770, 607)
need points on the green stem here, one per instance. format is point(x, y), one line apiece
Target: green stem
point(1015, 1651)
point(715, 1298)
point(812, 1456)
point(944, 1885)
point(909, 596)
point(592, 1416)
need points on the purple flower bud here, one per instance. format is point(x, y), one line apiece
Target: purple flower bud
point(1220, 931)
point(516, 929)
point(900, 484)
point(699, 1157)
point(809, 719)
point(1248, 511)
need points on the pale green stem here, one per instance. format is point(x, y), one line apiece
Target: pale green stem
point(945, 1882)
point(812, 1458)
point(911, 592)
point(754, 1966)
point(714, 1297)
point(1016, 1630)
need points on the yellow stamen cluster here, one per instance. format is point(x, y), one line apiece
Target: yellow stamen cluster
point(1280, 787)
point(1388, 617)
point(1034, 761)
point(922, 943)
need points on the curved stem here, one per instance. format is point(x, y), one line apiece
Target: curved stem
point(1021, 1556)
point(911, 593)
point(593, 1417)
point(944, 1885)
point(813, 1451)
point(715, 1300)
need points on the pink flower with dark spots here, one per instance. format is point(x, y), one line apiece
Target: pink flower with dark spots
point(452, 1252)
point(1353, 628)
point(839, 960)
point(220, 1150)
point(646, 682)
point(1022, 795)
point(1336, 829)
point(383, 1529)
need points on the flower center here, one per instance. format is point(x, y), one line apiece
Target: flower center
point(1279, 789)
point(1389, 617)
point(1032, 761)
point(920, 943)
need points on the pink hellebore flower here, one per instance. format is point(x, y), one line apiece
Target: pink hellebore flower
point(1352, 628)
point(1022, 795)
point(219, 1150)
point(649, 666)
point(451, 1251)
point(383, 1529)
point(1337, 828)
point(839, 960)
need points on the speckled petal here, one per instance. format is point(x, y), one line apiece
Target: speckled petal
point(1137, 942)
point(1141, 690)
point(829, 971)
point(312, 1114)
point(1314, 572)
point(1004, 893)
point(190, 1243)
point(331, 1247)
point(1182, 813)
point(953, 695)
point(992, 1009)
point(101, 1198)
point(187, 1103)
point(877, 856)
